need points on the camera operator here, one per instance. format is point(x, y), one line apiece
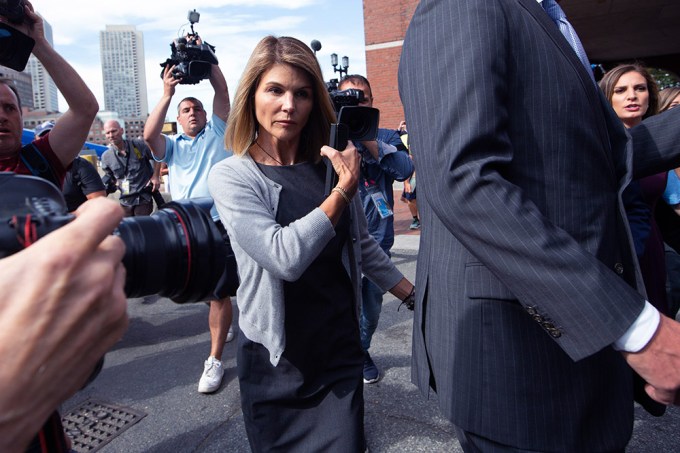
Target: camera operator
point(130, 167)
point(64, 142)
point(190, 156)
point(63, 308)
point(383, 161)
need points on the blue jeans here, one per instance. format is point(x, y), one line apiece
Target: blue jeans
point(371, 305)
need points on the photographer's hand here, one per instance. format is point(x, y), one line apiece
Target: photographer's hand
point(372, 147)
point(198, 40)
point(32, 25)
point(63, 308)
point(154, 123)
point(169, 82)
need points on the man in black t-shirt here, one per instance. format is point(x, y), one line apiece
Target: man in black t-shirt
point(82, 183)
point(82, 180)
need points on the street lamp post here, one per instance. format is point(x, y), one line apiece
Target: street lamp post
point(343, 67)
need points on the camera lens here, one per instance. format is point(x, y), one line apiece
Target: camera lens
point(199, 69)
point(177, 252)
point(361, 122)
point(359, 126)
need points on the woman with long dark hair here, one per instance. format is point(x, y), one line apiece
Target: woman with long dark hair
point(634, 96)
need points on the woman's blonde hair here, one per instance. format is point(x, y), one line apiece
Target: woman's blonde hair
point(242, 126)
point(666, 96)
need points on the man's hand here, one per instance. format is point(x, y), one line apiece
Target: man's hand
point(155, 183)
point(659, 363)
point(169, 81)
point(372, 147)
point(63, 307)
point(32, 25)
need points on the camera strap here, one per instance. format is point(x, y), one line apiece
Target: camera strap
point(37, 164)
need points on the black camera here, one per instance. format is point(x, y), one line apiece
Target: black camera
point(177, 252)
point(12, 10)
point(354, 122)
point(191, 56)
point(15, 47)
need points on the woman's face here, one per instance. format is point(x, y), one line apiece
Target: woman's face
point(630, 98)
point(283, 101)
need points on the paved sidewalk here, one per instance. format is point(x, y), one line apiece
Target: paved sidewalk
point(155, 369)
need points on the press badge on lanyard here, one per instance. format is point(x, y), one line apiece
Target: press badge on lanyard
point(379, 201)
point(125, 187)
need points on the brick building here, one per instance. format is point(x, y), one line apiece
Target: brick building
point(385, 24)
point(648, 30)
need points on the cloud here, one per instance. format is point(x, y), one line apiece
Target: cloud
point(233, 26)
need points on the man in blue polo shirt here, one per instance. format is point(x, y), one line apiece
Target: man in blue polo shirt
point(189, 157)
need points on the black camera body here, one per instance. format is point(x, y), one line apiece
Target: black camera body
point(15, 47)
point(178, 252)
point(12, 10)
point(346, 98)
point(191, 56)
point(354, 122)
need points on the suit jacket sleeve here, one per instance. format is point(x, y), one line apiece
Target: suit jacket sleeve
point(456, 103)
point(656, 144)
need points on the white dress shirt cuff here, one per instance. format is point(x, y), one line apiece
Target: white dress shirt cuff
point(643, 329)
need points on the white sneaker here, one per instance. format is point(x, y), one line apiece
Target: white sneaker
point(230, 335)
point(212, 376)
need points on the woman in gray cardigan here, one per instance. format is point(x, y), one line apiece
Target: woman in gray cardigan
point(300, 257)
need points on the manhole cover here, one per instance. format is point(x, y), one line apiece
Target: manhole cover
point(94, 424)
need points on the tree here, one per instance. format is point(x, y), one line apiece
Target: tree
point(664, 78)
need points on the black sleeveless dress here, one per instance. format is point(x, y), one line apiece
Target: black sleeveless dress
point(313, 399)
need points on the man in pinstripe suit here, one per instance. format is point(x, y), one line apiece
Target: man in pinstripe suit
point(526, 299)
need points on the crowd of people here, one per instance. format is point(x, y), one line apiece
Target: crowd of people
point(544, 259)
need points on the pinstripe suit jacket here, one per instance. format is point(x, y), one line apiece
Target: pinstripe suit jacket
point(525, 272)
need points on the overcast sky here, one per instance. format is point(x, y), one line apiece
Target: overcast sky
point(232, 26)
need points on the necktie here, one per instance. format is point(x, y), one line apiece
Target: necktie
point(557, 15)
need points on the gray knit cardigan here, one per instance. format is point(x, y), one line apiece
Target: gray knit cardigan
point(269, 254)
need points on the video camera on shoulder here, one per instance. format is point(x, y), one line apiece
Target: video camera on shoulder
point(191, 56)
point(15, 47)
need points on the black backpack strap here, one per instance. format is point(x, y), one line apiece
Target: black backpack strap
point(38, 164)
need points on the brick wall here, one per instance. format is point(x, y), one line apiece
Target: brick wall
point(385, 24)
point(381, 66)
